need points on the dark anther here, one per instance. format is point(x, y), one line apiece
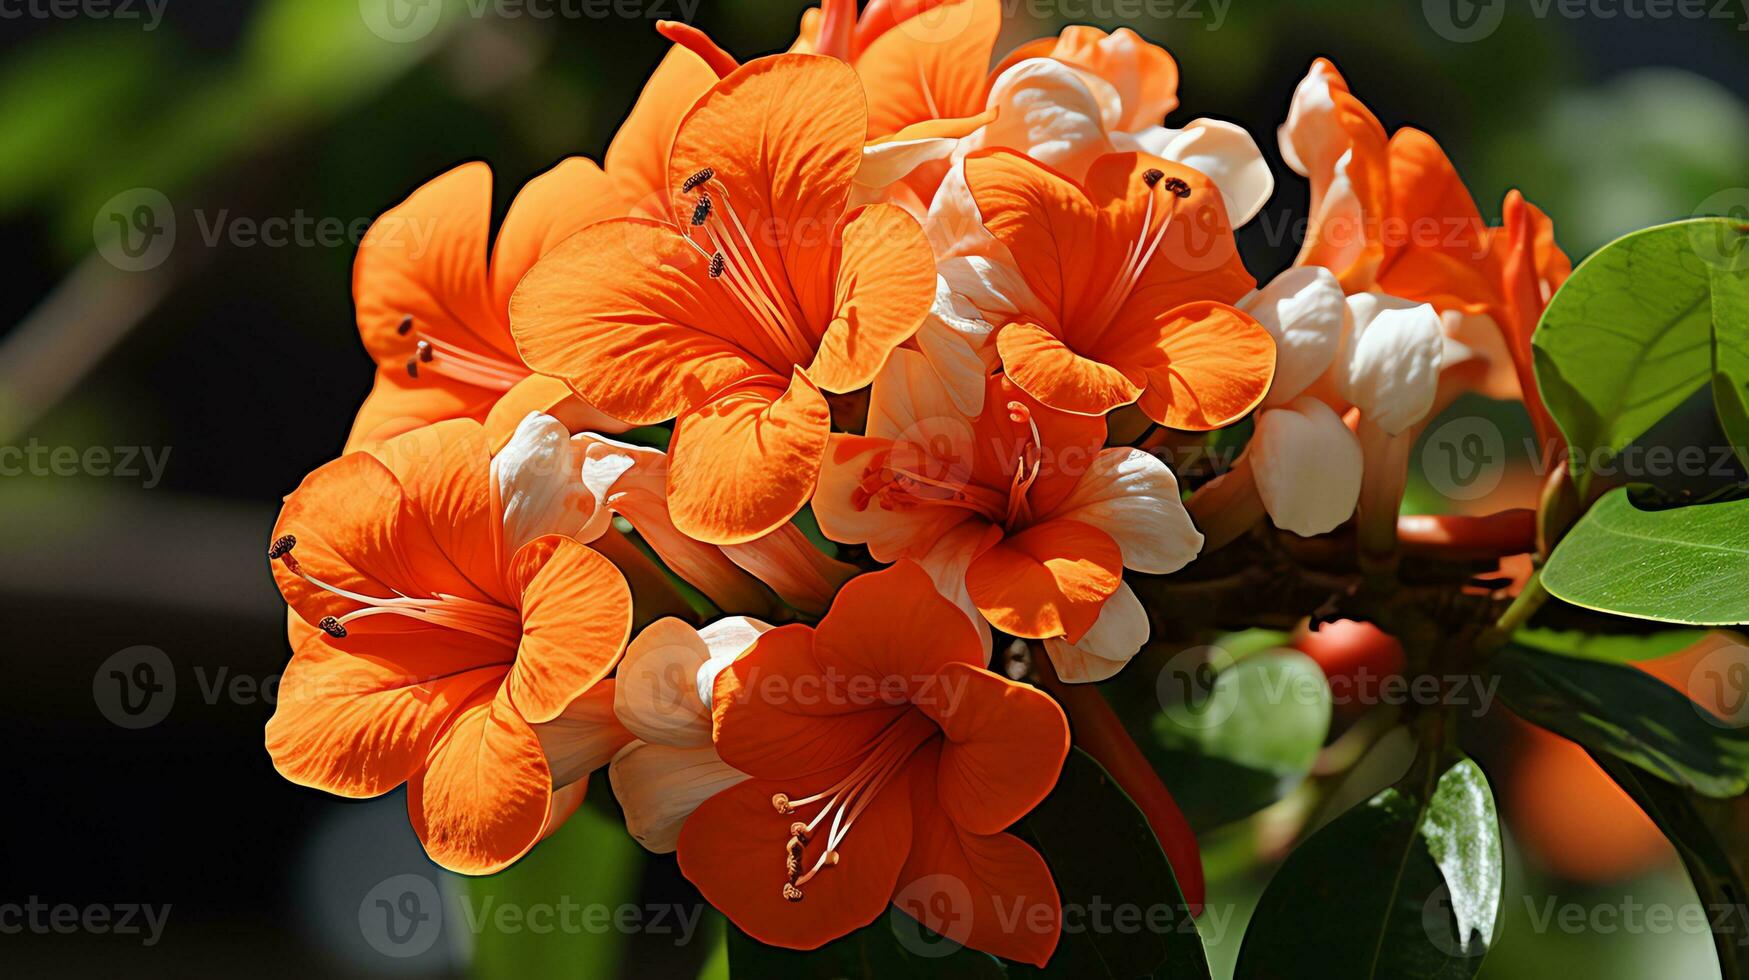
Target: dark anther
point(718, 263)
point(425, 351)
point(332, 627)
point(1178, 186)
point(702, 210)
point(412, 367)
point(406, 325)
point(1152, 177)
point(698, 178)
point(282, 546)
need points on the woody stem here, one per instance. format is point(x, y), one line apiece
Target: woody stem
point(1101, 734)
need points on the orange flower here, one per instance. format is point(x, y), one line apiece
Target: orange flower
point(1019, 515)
point(761, 290)
point(881, 753)
point(1131, 278)
point(430, 650)
point(434, 312)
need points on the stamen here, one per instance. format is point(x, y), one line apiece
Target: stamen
point(747, 278)
point(717, 263)
point(702, 210)
point(487, 620)
point(332, 627)
point(1177, 186)
point(406, 325)
point(282, 546)
point(425, 351)
point(697, 179)
point(1152, 177)
point(1141, 251)
point(482, 370)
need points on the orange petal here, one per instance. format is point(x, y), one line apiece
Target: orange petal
point(637, 160)
point(548, 396)
point(1047, 224)
point(1144, 74)
point(788, 562)
point(445, 471)
point(699, 43)
point(885, 287)
point(1045, 367)
point(426, 258)
point(894, 626)
point(783, 711)
point(1049, 580)
point(549, 209)
point(989, 722)
point(930, 66)
point(1436, 245)
point(732, 848)
point(783, 136)
point(991, 893)
point(576, 616)
point(1207, 364)
point(627, 314)
point(482, 801)
point(355, 717)
point(743, 464)
point(398, 403)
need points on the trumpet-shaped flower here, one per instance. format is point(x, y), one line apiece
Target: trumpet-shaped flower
point(760, 292)
point(440, 642)
point(1018, 514)
point(882, 752)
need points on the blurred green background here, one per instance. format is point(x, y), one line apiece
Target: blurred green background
point(239, 360)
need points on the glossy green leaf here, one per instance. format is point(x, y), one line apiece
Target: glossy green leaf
point(589, 861)
point(1681, 565)
point(1715, 865)
point(1632, 333)
point(1406, 884)
point(1123, 913)
point(1612, 647)
point(1628, 714)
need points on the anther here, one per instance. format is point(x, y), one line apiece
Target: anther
point(282, 546)
point(780, 803)
point(1152, 177)
point(332, 627)
point(791, 893)
point(702, 210)
point(1177, 186)
point(425, 351)
point(718, 264)
point(799, 831)
point(406, 325)
point(412, 367)
point(697, 179)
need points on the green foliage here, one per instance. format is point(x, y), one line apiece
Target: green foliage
point(1406, 884)
point(1628, 714)
point(1682, 565)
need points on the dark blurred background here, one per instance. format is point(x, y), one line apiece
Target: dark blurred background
point(195, 385)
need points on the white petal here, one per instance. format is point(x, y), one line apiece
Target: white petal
point(656, 694)
point(1307, 465)
point(1132, 496)
point(1389, 365)
point(538, 476)
point(887, 162)
point(1116, 636)
point(908, 402)
point(1311, 135)
point(1052, 113)
point(946, 564)
point(1224, 152)
point(1303, 309)
point(727, 639)
point(584, 737)
point(1336, 231)
point(659, 787)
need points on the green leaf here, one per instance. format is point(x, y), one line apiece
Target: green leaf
point(1612, 647)
point(1731, 348)
point(873, 952)
point(1406, 884)
point(1626, 713)
point(1633, 333)
point(1682, 565)
point(589, 860)
point(1249, 740)
point(1123, 913)
point(1715, 866)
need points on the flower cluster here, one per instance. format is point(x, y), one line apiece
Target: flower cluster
point(949, 312)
